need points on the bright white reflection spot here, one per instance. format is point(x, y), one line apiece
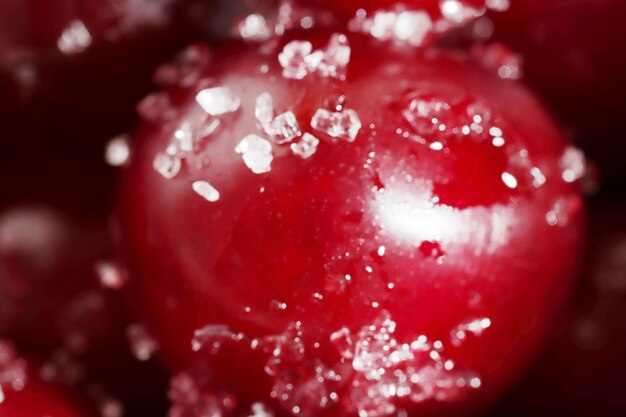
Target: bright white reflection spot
point(509, 180)
point(411, 216)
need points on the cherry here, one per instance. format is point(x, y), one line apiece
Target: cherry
point(574, 53)
point(71, 71)
point(22, 394)
point(330, 226)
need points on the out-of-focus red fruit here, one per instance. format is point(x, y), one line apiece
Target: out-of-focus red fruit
point(575, 56)
point(60, 294)
point(583, 373)
point(331, 227)
point(23, 394)
point(71, 71)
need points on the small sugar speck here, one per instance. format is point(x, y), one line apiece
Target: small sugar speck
point(206, 191)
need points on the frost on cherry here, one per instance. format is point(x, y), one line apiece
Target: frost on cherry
point(298, 59)
point(376, 372)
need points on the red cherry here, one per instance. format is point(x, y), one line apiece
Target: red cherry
point(575, 56)
point(23, 395)
point(398, 238)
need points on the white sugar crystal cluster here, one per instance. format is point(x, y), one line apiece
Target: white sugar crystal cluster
point(298, 59)
point(476, 327)
point(200, 123)
point(386, 370)
point(344, 124)
point(573, 164)
point(75, 38)
point(381, 370)
point(282, 128)
point(258, 27)
point(410, 26)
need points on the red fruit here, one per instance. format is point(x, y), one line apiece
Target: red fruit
point(62, 66)
point(23, 395)
point(575, 56)
point(398, 238)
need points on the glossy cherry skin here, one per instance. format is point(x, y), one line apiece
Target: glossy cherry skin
point(71, 71)
point(37, 400)
point(575, 57)
point(24, 395)
point(583, 372)
point(404, 223)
